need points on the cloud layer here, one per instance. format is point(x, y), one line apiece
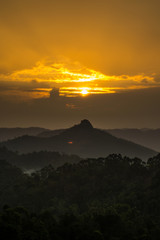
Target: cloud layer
point(72, 80)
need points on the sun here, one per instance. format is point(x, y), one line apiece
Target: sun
point(84, 91)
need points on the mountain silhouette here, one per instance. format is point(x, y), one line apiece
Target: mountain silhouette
point(10, 133)
point(147, 137)
point(83, 140)
point(84, 124)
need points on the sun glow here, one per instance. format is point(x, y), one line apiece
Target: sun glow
point(84, 91)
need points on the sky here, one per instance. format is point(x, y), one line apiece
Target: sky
point(63, 61)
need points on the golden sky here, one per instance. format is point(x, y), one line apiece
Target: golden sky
point(78, 51)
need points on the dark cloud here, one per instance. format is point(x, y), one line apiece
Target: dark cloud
point(145, 81)
point(157, 78)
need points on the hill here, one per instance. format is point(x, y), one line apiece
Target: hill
point(146, 137)
point(50, 133)
point(34, 161)
point(11, 133)
point(83, 140)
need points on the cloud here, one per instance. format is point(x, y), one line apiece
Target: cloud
point(157, 78)
point(23, 91)
point(71, 106)
point(71, 79)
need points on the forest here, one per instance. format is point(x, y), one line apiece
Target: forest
point(112, 198)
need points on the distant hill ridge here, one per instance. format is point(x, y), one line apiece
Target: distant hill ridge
point(11, 133)
point(34, 161)
point(81, 139)
point(147, 137)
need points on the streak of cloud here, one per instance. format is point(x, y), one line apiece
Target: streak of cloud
point(71, 79)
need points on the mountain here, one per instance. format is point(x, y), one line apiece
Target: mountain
point(10, 133)
point(83, 140)
point(146, 137)
point(50, 133)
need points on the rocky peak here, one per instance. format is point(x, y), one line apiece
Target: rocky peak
point(85, 124)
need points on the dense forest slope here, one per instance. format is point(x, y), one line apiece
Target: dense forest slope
point(31, 162)
point(107, 198)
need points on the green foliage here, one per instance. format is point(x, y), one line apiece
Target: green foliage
point(112, 198)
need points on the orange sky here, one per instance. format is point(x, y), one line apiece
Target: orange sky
point(113, 37)
point(79, 49)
